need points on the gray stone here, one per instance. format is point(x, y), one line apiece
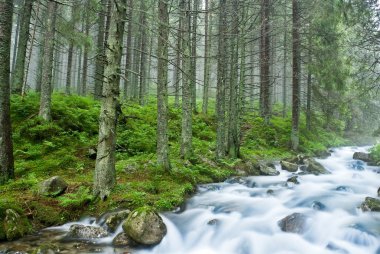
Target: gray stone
point(313, 167)
point(123, 239)
point(288, 166)
point(86, 232)
point(92, 153)
point(378, 192)
point(294, 223)
point(293, 179)
point(145, 226)
point(52, 187)
point(113, 220)
point(362, 156)
point(370, 205)
point(213, 222)
point(268, 171)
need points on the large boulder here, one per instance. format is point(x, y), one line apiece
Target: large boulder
point(288, 166)
point(145, 226)
point(79, 231)
point(266, 170)
point(113, 220)
point(313, 167)
point(52, 187)
point(362, 156)
point(15, 225)
point(370, 204)
point(294, 223)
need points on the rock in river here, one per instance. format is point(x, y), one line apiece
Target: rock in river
point(145, 226)
point(313, 167)
point(362, 156)
point(86, 232)
point(113, 220)
point(288, 166)
point(53, 187)
point(370, 204)
point(294, 223)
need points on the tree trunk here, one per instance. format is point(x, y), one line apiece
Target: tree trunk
point(18, 75)
point(6, 146)
point(142, 54)
point(100, 50)
point(85, 53)
point(69, 67)
point(220, 89)
point(187, 121)
point(284, 87)
point(296, 77)
point(206, 77)
point(162, 86)
point(264, 61)
point(46, 83)
point(193, 72)
point(105, 175)
point(128, 57)
point(178, 68)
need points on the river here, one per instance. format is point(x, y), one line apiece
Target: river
point(240, 216)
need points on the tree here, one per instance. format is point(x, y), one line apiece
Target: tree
point(47, 68)
point(100, 54)
point(206, 76)
point(105, 175)
point(162, 86)
point(6, 146)
point(296, 77)
point(18, 75)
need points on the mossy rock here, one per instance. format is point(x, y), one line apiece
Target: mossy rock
point(145, 226)
point(47, 215)
point(52, 187)
point(15, 225)
point(46, 249)
point(25, 227)
point(370, 205)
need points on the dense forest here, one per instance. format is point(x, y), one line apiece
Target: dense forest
point(124, 104)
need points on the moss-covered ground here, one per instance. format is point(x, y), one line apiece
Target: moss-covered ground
point(60, 147)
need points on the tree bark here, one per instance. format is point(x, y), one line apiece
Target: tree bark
point(284, 86)
point(187, 121)
point(178, 68)
point(193, 72)
point(18, 75)
point(47, 68)
point(6, 146)
point(296, 70)
point(221, 81)
point(206, 77)
point(128, 57)
point(100, 50)
point(105, 175)
point(162, 86)
point(142, 54)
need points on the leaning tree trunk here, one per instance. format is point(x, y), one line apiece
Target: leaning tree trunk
point(46, 83)
point(296, 77)
point(18, 75)
point(6, 147)
point(187, 130)
point(162, 86)
point(105, 175)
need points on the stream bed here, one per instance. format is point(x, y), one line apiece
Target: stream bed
point(241, 215)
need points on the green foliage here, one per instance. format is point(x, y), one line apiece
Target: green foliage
point(375, 153)
point(77, 199)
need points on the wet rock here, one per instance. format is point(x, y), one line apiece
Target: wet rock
point(86, 232)
point(378, 192)
point(288, 166)
point(370, 205)
point(267, 171)
point(123, 239)
point(357, 165)
point(113, 220)
point(247, 168)
point(294, 223)
point(46, 249)
point(362, 156)
point(316, 205)
point(15, 225)
point(145, 226)
point(313, 167)
point(322, 154)
point(213, 222)
point(337, 249)
point(236, 179)
point(344, 189)
point(293, 179)
point(92, 153)
point(52, 187)
point(270, 192)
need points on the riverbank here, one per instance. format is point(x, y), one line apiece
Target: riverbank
point(66, 147)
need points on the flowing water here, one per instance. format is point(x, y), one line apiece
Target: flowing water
point(240, 216)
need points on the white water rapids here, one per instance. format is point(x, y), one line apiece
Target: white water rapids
point(242, 218)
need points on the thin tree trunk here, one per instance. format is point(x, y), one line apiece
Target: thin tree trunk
point(19, 71)
point(162, 87)
point(105, 175)
point(284, 87)
point(128, 57)
point(6, 145)
point(15, 46)
point(206, 77)
point(79, 70)
point(220, 89)
point(85, 54)
point(100, 50)
point(177, 71)
point(143, 54)
point(46, 85)
point(309, 95)
point(193, 72)
point(187, 121)
point(296, 78)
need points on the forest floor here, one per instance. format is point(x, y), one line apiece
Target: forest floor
point(61, 148)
